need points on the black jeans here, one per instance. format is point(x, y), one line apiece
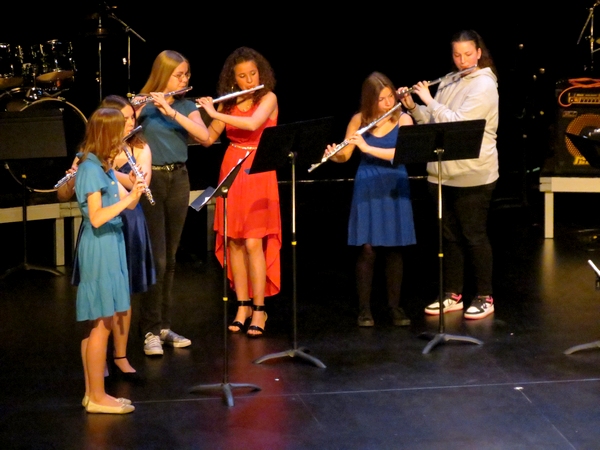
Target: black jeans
point(165, 219)
point(465, 236)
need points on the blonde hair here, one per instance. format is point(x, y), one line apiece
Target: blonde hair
point(162, 68)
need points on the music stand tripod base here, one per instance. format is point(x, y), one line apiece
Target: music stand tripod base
point(441, 338)
point(292, 353)
point(278, 147)
point(577, 348)
point(434, 143)
point(221, 191)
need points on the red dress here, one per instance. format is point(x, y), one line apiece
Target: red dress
point(252, 203)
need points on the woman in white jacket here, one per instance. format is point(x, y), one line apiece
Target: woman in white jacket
point(467, 185)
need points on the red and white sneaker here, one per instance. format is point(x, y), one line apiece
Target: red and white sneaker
point(452, 302)
point(481, 306)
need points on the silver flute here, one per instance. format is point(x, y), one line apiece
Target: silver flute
point(167, 94)
point(134, 168)
point(235, 94)
point(452, 77)
point(345, 142)
point(70, 175)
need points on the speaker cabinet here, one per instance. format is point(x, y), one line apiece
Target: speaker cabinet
point(567, 160)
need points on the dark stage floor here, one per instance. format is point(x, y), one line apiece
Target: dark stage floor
point(518, 390)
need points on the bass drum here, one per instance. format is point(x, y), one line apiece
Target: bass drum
point(41, 174)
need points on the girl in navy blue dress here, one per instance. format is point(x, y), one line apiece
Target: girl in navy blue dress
point(104, 280)
point(140, 261)
point(381, 219)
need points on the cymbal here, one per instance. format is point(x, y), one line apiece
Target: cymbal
point(10, 82)
point(100, 25)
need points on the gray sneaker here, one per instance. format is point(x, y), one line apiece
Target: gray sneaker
point(169, 337)
point(399, 317)
point(152, 345)
point(365, 318)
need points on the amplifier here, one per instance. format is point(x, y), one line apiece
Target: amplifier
point(567, 160)
point(584, 98)
point(578, 91)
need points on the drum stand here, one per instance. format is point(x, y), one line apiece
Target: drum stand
point(28, 136)
point(590, 38)
point(129, 31)
point(430, 143)
point(25, 265)
point(274, 150)
point(210, 193)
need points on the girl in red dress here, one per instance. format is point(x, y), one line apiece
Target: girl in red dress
point(253, 213)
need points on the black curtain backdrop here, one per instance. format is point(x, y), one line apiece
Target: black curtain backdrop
point(320, 55)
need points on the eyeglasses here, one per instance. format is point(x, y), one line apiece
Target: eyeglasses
point(179, 76)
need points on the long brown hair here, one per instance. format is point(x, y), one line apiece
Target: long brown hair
point(162, 68)
point(369, 99)
point(118, 102)
point(227, 83)
point(472, 36)
point(104, 135)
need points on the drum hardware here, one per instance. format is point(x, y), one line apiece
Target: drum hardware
point(43, 173)
point(590, 38)
point(10, 67)
point(56, 61)
point(100, 31)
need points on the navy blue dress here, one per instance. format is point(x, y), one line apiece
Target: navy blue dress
point(381, 211)
point(137, 244)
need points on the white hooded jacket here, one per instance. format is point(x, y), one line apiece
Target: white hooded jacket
point(474, 96)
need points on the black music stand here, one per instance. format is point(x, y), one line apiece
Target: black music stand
point(28, 135)
point(209, 193)
point(589, 149)
point(436, 143)
point(278, 146)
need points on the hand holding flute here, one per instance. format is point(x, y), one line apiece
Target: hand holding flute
point(208, 102)
point(138, 174)
point(422, 88)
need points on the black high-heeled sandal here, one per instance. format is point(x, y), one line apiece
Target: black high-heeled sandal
point(236, 323)
point(256, 327)
point(117, 373)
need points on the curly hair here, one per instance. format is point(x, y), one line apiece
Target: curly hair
point(369, 100)
point(227, 83)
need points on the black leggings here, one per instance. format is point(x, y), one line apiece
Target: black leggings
point(365, 265)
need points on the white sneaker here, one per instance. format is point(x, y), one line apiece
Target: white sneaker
point(452, 302)
point(169, 337)
point(481, 306)
point(152, 345)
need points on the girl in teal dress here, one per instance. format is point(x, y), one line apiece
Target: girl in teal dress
point(104, 280)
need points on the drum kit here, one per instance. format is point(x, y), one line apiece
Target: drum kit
point(33, 78)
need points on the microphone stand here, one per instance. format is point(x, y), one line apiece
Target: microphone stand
point(590, 20)
point(129, 31)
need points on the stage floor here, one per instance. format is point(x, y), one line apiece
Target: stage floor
point(378, 390)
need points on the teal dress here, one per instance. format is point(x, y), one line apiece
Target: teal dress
point(104, 280)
